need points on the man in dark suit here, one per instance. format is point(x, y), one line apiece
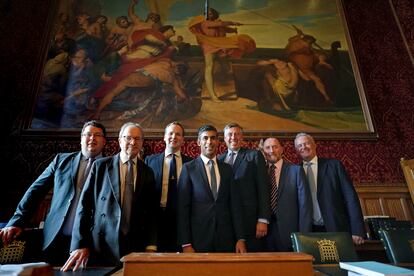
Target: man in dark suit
point(66, 174)
point(209, 216)
point(291, 201)
point(249, 169)
point(117, 208)
point(167, 169)
point(335, 202)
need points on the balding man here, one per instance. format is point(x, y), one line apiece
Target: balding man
point(290, 198)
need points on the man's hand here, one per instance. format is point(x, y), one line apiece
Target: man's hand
point(188, 249)
point(78, 258)
point(9, 234)
point(241, 246)
point(357, 240)
point(261, 229)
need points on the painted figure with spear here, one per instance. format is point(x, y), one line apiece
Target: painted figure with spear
point(211, 34)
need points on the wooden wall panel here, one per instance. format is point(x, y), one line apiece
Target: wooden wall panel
point(386, 201)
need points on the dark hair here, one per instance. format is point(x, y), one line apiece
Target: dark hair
point(175, 123)
point(94, 124)
point(215, 14)
point(119, 18)
point(165, 28)
point(231, 125)
point(206, 128)
point(154, 17)
point(268, 138)
point(101, 16)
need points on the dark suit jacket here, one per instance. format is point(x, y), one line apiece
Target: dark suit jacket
point(167, 218)
point(156, 163)
point(294, 204)
point(338, 199)
point(98, 216)
point(209, 225)
point(250, 175)
point(61, 176)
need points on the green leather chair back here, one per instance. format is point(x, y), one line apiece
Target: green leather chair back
point(325, 247)
point(398, 244)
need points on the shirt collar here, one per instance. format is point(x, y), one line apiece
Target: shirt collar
point(84, 158)
point(278, 164)
point(235, 151)
point(206, 159)
point(177, 154)
point(314, 160)
point(125, 159)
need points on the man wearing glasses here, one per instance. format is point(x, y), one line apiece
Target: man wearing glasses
point(66, 174)
point(116, 212)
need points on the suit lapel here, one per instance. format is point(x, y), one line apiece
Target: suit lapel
point(222, 175)
point(283, 172)
point(239, 158)
point(222, 156)
point(202, 171)
point(115, 177)
point(321, 171)
point(140, 178)
point(75, 167)
point(160, 169)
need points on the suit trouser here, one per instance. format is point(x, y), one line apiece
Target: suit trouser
point(167, 231)
point(58, 251)
point(274, 241)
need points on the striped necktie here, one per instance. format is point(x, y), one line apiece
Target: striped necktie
point(273, 188)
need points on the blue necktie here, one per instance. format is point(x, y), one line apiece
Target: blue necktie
point(172, 184)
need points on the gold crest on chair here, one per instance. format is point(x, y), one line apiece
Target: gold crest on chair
point(12, 253)
point(328, 251)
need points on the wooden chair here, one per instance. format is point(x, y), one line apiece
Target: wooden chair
point(26, 248)
point(12, 253)
point(325, 247)
point(407, 167)
point(398, 244)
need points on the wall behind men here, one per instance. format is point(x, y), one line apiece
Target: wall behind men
point(381, 31)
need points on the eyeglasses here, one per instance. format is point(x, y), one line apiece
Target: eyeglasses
point(129, 139)
point(302, 145)
point(90, 134)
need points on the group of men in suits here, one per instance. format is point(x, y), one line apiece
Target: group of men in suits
point(240, 201)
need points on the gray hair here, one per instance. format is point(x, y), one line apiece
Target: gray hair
point(231, 125)
point(128, 124)
point(303, 134)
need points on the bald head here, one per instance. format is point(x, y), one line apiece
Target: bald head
point(273, 150)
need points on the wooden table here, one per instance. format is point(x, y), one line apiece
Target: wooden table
point(210, 264)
